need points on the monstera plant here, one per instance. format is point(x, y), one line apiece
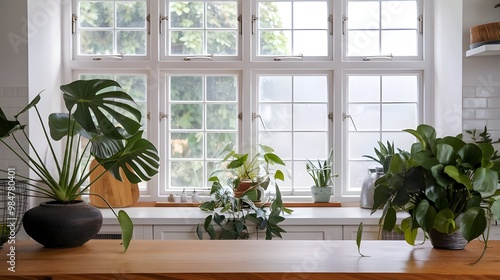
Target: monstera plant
point(101, 122)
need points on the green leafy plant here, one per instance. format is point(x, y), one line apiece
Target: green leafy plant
point(384, 154)
point(322, 172)
point(102, 117)
point(231, 214)
point(444, 184)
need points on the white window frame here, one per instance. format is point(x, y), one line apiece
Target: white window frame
point(156, 67)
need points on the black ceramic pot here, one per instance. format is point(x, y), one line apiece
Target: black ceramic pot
point(56, 225)
point(454, 241)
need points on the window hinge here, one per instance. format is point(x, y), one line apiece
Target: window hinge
point(162, 18)
point(240, 116)
point(163, 116)
point(330, 20)
point(74, 18)
point(330, 116)
point(148, 116)
point(240, 20)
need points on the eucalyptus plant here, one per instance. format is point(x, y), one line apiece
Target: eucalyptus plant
point(444, 184)
point(104, 121)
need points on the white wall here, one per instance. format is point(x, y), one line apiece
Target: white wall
point(13, 72)
point(481, 75)
point(448, 67)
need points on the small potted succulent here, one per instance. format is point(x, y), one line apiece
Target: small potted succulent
point(322, 175)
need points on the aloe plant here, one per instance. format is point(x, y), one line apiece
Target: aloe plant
point(322, 172)
point(103, 115)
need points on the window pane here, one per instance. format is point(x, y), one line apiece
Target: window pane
point(112, 27)
point(203, 27)
point(310, 117)
point(362, 143)
point(275, 116)
point(186, 145)
point(187, 174)
point(216, 142)
point(131, 14)
point(186, 88)
point(310, 145)
point(394, 119)
point(293, 28)
point(222, 116)
point(400, 88)
point(222, 88)
point(364, 88)
point(366, 117)
point(310, 88)
point(280, 141)
point(186, 116)
point(399, 14)
point(278, 88)
point(400, 42)
point(382, 27)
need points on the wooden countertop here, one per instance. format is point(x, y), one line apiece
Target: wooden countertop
point(250, 259)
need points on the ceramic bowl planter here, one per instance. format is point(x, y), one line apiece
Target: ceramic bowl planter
point(453, 241)
point(56, 225)
point(321, 194)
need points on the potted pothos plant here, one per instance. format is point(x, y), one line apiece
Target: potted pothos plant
point(232, 207)
point(101, 122)
point(322, 174)
point(446, 185)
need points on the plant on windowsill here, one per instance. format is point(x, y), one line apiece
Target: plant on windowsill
point(322, 175)
point(447, 186)
point(243, 206)
point(103, 119)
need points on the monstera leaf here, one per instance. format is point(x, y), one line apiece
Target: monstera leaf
point(91, 101)
point(138, 159)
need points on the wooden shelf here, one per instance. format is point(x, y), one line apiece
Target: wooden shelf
point(484, 50)
point(287, 204)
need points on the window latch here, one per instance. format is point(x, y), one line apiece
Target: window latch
point(200, 57)
point(254, 116)
point(162, 18)
point(387, 57)
point(254, 19)
point(74, 18)
point(113, 56)
point(346, 116)
point(291, 57)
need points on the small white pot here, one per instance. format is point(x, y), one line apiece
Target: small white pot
point(321, 194)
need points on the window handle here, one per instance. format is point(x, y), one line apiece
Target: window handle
point(254, 19)
point(148, 19)
point(113, 56)
point(254, 116)
point(330, 20)
point(346, 116)
point(74, 18)
point(162, 18)
point(344, 25)
point(388, 57)
point(421, 25)
point(200, 57)
point(240, 20)
point(298, 57)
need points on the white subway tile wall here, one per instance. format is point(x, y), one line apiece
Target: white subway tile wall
point(12, 100)
point(481, 107)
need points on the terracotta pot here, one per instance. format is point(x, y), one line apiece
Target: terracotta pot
point(454, 241)
point(57, 225)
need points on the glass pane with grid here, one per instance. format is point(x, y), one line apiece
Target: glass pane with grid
point(293, 112)
point(112, 27)
point(292, 28)
point(380, 107)
point(203, 27)
point(381, 27)
point(203, 121)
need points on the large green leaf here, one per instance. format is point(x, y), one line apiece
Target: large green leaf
point(139, 160)
point(445, 221)
point(425, 215)
point(425, 158)
point(445, 153)
point(471, 155)
point(127, 228)
point(381, 195)
point(458, 176)
point(7, 127)
point(485, 181)
point(91, 101)
point(473, 223)
point(410, 232)
point(495, 210)
point(390, 219)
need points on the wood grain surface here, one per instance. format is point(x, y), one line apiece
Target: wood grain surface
point(250, 259)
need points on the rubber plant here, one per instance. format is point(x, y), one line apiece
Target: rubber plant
point(103, 120)
point(444, 184)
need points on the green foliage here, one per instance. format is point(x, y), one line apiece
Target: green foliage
point(443, 183)
point(113, 138)
point(242, 210)
point(322, 173)
point(384, 154)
